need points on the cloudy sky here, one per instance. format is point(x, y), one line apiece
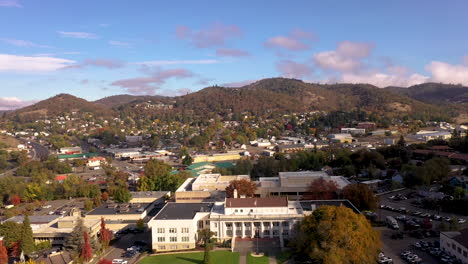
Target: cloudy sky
point(99, 48)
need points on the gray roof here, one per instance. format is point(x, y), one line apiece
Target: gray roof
point(182, 210)
point(307, 205)
point(34, 219)
point(113, 209)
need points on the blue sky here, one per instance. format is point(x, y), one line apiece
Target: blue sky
point(94, 49)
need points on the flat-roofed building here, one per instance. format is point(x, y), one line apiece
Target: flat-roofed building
point(215, 182)
point(231, 155)
point(294, 184)
point(456, 244)
point(185, 193)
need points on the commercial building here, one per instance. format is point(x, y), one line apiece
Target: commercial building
point(456, 244)
point(175, 226)
point(231, 155)
point(70, 150)
point(294, 184)
point(121, 216)
point(353, 131)
point(55, 228)
point(341, 138)
point(215, 182)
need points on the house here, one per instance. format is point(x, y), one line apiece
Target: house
point(96, 162)
point(366, 125)
point(353, 131)
point(175, 227)
point(456, 244)
point(70, 150)
point(459, 181)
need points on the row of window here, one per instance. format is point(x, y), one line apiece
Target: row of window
point(173, 239)
point(172, 230)
point(267, 224)
point(458, 249)
point(163, 247)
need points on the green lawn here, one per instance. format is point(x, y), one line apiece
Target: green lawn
point(225, 257)
point(257, 260)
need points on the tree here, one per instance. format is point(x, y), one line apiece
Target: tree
point(3, 253)
point(243, 166)
point(321, 189)
point(336, 235)
point(401, 142)
point(243, 187)
point(140, 224)
point(158, 177)
point(74, 242)
point(27, 240)
point(86, 251)
point(205, 237)
point(88, 205)
point(361, 196)
point(9, 232)
point(15, 200)
point(104, 196)
point(187, 160)
point(122, 195)
point(105, 234)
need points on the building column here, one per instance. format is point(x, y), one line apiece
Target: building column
point(261, 230)
point(233, 230)
point(281, 234)
point(271, 229)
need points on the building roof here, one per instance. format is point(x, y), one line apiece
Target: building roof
point(462, 238)
point(224, 165)
point(76, 156)
point(308, 205)
point(257, 202)
point(34, 219)
point(155, 194)
point(174, 211)
point(123, 209)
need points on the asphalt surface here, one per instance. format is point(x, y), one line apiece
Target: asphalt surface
point(40, 152)
point(391, 247)
point(118, 247)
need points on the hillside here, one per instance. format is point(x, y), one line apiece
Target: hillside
point(116, 101)
point(62, 103)
point(274, 95)
point(435, 93)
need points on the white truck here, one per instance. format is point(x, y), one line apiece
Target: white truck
point(392, 222)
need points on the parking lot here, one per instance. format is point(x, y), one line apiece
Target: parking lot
point(119, 247)
point(393, 247)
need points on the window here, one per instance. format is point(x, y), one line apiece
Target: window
point(453, 246)
point(161, 239)
point(174, 247)
point(173, 239)
point(185, 239)
point(275, 223)
point(161, 230)
point(185, 246)
point(251, 210)
point(285, 224)
point(184, 230)
point(465, 254)
point(215, 225)
point(236, 210)
point(162, 247)
point(241, 210)
point(459, 250)
point(172, 230)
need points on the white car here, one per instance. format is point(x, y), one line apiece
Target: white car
point(46, 206)
point(119, 261)
point(461, 221)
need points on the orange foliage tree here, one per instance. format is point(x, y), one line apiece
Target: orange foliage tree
point(321, 189)
point(243, 187)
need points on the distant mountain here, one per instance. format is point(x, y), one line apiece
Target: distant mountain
point(62, 103)
point(274, 95)
point(435, 93)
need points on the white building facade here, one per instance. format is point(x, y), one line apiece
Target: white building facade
point(456, 244)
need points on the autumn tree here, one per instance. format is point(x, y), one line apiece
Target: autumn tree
point(3, 253)
point(336, 235)
point(15, 199)
point(104, 196)
point(243, 187)
point(361, 196)
point(105, 234)
point(86, 251)
point(321, 189)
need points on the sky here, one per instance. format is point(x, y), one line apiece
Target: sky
point(93, 49)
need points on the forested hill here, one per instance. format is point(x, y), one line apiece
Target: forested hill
point(435, 93)
point(274, 95)
point(57, 105)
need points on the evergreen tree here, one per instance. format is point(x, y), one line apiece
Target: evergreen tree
point(27, 240)
point(74, 242)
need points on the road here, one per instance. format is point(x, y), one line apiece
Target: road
point(40, 152)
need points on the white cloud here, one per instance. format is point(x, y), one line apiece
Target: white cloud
point(176, 62)
point(23, 43)
point(384, 79)
point(119, 43)
point(79, 35)
point(354, 49)
point(10, 62)
point(11, 103)
point(10, 3)
point(448, 73)
point(346, 58)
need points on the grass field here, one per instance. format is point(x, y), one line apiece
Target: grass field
point(282, 256)
point(257, 260)
point(224, 257)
